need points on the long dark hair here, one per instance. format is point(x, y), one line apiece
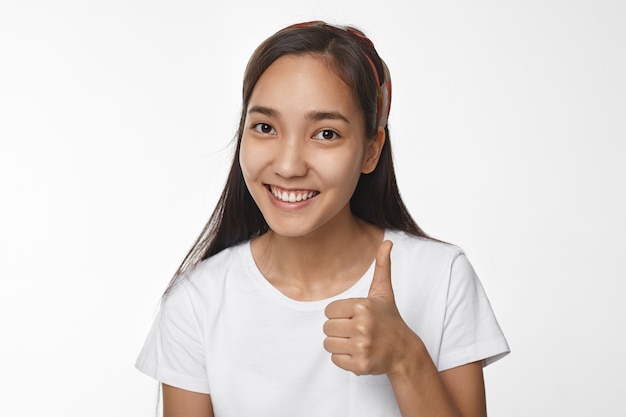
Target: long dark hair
point(377, 200)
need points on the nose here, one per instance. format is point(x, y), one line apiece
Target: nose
point(289, 159)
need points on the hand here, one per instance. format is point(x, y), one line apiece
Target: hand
point(367, 335)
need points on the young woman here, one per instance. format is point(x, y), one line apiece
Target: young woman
point(292, 302)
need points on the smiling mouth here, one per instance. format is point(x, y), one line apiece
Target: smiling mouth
point(291, 196)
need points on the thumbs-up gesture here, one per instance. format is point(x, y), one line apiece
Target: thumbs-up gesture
point(367, 335)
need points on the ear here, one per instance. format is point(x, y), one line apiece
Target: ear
point(372, 153)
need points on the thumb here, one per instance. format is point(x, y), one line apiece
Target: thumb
point(381, 283)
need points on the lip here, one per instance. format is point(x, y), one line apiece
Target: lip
point(296, 197)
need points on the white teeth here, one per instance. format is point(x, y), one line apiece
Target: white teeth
point(292, 196)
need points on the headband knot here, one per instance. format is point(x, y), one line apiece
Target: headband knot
point(384, 94)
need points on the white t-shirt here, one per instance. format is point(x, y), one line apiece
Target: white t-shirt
point(226, 331)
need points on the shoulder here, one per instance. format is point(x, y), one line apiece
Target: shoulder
point(206, 279)
point(416, 249)
point(219, 264)
point(427, 262)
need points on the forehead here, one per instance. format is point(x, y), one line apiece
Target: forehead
point(303, 81)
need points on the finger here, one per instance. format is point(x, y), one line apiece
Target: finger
point(339, 328)
point(350, 363)
point(338, 345)
point(343, 361)
point(381, 283)
point(341, 309)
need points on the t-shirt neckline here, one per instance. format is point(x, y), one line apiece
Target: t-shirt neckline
point(359, 289)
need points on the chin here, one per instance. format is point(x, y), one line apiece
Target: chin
point(294, 230)
point(290, 232)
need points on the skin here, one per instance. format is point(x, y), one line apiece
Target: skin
point(305, 136)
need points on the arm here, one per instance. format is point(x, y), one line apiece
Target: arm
point(368, 336)
point(422, 390)
point(181, 403)
point(466, 387)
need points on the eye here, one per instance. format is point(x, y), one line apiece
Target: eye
point(264, 128)
point(326, 134)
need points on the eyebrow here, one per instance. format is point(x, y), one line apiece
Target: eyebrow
point(325, 115)
point(312, 115)
point(263, 110)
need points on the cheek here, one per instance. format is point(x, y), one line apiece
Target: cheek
point(341, 170)
point(249, 164)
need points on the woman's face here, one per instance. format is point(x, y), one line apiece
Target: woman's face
point(304, 147)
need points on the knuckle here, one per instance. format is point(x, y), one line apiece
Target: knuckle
point(363, 329)
point(363, 367)
point(363, 345)
point(363, 306)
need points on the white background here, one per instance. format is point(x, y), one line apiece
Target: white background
point(116, 119)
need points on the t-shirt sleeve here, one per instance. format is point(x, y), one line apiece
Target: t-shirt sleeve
point(471, 332)
point(173, 352)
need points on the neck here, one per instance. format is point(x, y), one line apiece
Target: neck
point(320, 264)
